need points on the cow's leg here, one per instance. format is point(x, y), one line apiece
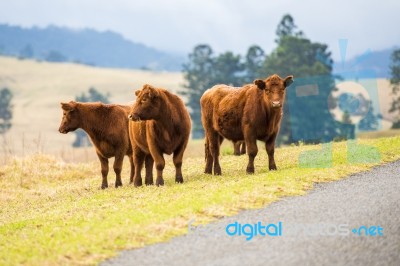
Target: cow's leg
point(209, 159)
point(214, 141)
point(243, 150)
point(270, 147)
point(149, 169)
point(158, 159)
point(132, 169)
point(104, 170)
point(236, 148)
point(252, 150)
point(138, 159)
point(119, 159)
point(160, 164)
point(177, 158)
point(221, 139)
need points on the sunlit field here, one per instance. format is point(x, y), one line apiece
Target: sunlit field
point(53, 212)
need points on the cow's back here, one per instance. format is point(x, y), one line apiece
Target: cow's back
point(222, 109)
point(168, 138)
point(111, 133)
point(125, 109)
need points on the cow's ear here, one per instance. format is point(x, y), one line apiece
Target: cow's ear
point(260, 84)
point(153, 92)
point(73, 105)
point(67, 106)
point(288, 81)
point(137, 92)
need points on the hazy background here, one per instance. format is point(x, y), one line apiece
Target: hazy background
point(178, 25)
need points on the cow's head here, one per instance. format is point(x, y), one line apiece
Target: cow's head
point(147, 105)
point(70, 120)
point(274, 88)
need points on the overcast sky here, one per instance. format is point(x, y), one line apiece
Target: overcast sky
point(178, 25)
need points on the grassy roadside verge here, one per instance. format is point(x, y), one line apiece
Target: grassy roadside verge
point(54, 213)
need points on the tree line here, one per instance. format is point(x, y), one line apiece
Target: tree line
point(306, 118)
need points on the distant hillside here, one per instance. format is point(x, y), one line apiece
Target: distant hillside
point(39, 87)
point(86, 46)
point(378, 61)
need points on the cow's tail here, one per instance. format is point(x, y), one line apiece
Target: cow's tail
point(206, 149)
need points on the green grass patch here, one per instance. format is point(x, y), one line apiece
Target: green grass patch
point(55, 213)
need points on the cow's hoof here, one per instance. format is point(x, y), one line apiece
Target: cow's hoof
point(217, 171)
point(160, 182)
point(149, 182)
point(179, 179)
point(138, 183)
point(117, 185)
point(250, 170)
point(104, 186)
point(273, 168)
point(208, 170)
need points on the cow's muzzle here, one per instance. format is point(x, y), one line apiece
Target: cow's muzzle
point(134, 117)
point(63, 130)
point(276, 104)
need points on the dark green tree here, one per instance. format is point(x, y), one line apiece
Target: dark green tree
point(255, 58)
point(395, 82)
point(306, 118)
point(92, 95)
point(287, 27)
point(5, 110)
point(370, 122)
point(199, 76)
point(55, 56)
point(228, 69)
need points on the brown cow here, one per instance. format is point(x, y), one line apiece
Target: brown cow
point(251, 113)
point(107, 127)
point(160, 124)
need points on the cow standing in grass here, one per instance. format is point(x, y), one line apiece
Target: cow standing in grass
point(251, 113)
point(160, 124)
point(107, 127)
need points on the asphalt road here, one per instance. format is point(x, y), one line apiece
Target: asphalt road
point(316, 229)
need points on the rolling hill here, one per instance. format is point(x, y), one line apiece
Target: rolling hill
point(376, 61)
point(86, 46)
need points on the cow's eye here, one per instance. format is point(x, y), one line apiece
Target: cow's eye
point(143, 100)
